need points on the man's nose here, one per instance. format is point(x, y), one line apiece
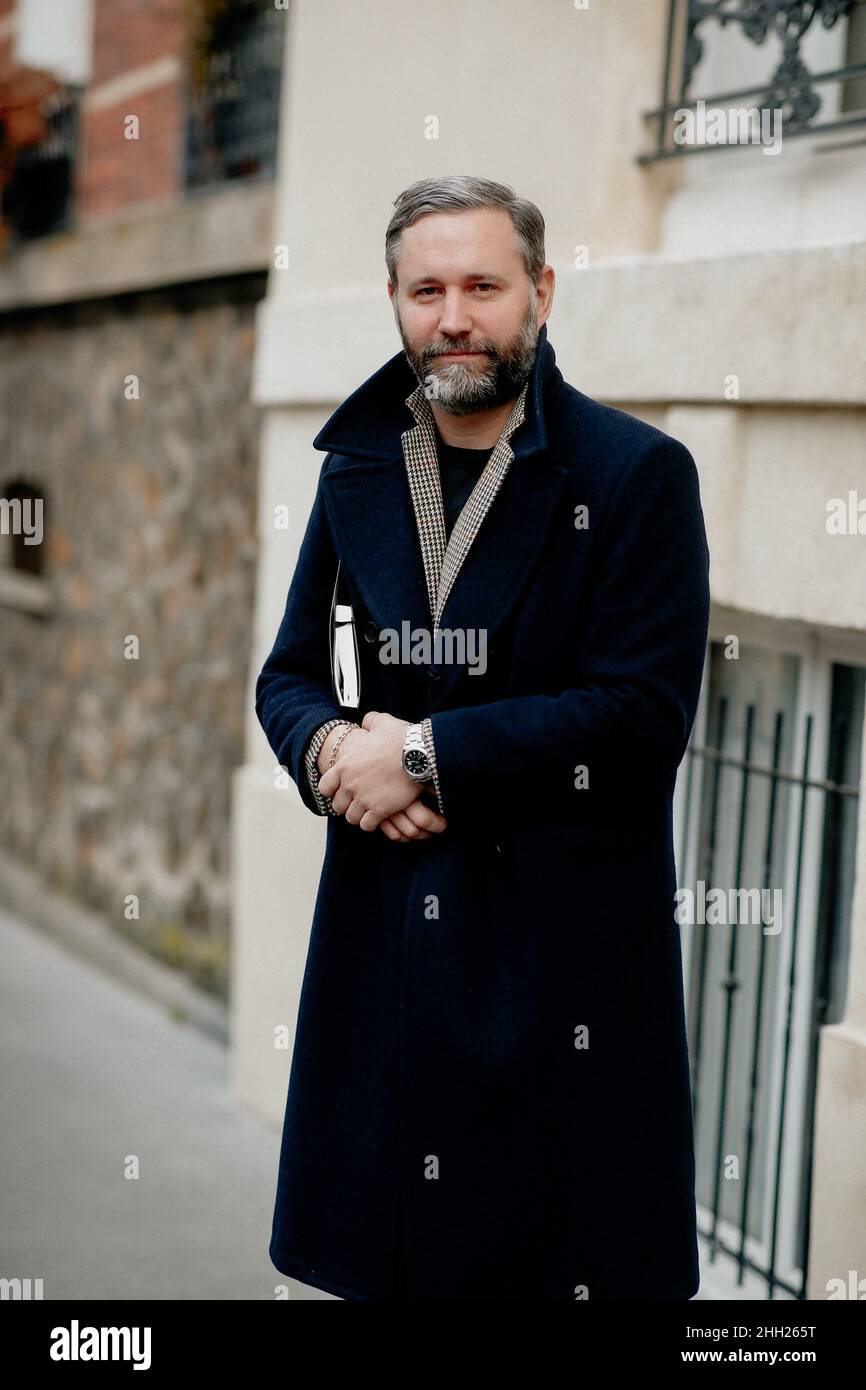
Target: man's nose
point(455, 320)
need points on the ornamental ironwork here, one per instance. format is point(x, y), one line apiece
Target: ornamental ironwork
point(792, 88)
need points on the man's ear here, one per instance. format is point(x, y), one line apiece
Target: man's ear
point(545, 289)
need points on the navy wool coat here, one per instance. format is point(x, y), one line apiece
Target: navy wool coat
point(489, 1093)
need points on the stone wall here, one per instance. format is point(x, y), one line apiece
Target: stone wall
point(132, 418)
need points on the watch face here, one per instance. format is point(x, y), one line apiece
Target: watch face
point(416, 762)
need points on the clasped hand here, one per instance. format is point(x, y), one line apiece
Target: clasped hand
point(370, 787)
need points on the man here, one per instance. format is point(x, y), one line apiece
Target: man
point(489, 1094)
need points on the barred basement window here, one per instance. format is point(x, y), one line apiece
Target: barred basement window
point(766, 805)
point(22, 528)
point(23, 581)
point(731, 64)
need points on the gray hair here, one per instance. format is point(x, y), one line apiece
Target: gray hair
point(455, 192)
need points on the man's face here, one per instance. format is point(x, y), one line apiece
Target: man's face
point(465, 308)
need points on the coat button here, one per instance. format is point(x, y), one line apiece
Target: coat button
point(371, 632)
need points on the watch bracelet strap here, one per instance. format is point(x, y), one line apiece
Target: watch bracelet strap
point(315, 745)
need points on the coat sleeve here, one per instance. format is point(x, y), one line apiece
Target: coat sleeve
point(628, 719)
point(294, 698)
point(324, 804)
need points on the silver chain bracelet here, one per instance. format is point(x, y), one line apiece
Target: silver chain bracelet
point(348, 729)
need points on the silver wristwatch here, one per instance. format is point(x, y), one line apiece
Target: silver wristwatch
point(415, 757)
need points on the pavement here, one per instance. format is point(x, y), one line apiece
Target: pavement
point(127, 1171)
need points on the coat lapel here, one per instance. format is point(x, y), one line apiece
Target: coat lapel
point(441, 564)
point(388, 518)
point(369, 507)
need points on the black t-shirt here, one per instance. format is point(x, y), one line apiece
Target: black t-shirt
point(459, 471)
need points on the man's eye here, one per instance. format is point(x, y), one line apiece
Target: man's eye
point(485, 287)
point(428, 289)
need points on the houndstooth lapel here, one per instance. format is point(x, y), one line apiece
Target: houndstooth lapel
point(441, 564)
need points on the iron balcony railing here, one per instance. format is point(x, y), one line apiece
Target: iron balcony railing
point(38, 194)
point(789, 86)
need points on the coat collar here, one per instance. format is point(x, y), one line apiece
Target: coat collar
point(387, 515)
point(370, 422)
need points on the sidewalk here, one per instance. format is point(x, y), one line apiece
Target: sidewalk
point(91, 1073)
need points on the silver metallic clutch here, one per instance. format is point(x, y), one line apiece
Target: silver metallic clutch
point(345, 661)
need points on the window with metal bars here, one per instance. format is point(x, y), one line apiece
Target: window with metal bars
point(767, 802)
point(728, 64)
point(232, 98)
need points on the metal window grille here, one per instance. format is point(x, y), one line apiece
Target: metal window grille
point(232, 118)
point(38, 195)
point(789, 84)
point(757, 1000)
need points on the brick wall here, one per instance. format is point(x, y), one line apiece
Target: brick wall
point(134, 43)
point(7, 8)
point(130, 34)
point(132, 121)
point(115, 172)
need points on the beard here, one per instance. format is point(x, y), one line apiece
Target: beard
point(460, 388)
